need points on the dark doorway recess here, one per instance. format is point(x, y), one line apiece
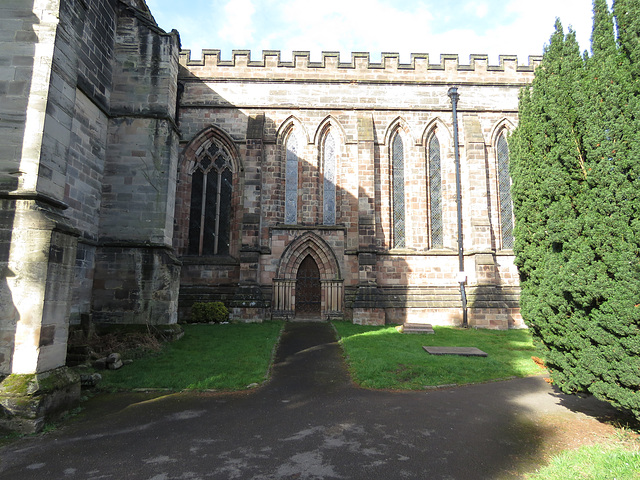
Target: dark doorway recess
point(308, 288)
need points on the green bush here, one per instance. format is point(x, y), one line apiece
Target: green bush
point(576, 198)
point(209, 312)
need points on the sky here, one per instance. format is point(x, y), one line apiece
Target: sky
point(463, 27)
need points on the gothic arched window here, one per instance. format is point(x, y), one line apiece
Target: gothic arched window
point(504, 189)
point(329, 187)
point(397, 175)
point(291, 181)
point(435, 192)
point(211, 187)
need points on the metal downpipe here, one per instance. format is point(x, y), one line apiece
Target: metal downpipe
point(462, 278)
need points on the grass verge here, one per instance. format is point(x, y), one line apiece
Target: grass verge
point(220, 357)
point(593, 462)
point(381, 357)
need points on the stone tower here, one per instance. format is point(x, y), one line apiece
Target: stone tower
point(87, 185)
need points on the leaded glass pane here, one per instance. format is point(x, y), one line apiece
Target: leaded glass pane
point(329, 194)
point(210, 214)
point(205, 163)
point(224, 217)
point(221, 162)
point(504, 186)
point(291, 181)
point(435, 193)
point(195, 217)
point(397, 158)
point(213, 150)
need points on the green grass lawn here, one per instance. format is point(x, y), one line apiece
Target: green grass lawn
point(594, 462)
point(381, 357)
point(221, 357)
point(231, 357)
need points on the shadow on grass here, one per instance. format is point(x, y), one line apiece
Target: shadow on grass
point(309, 421)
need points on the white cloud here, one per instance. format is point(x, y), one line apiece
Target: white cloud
point(347, 26)
point(376, 26)
point(576, 14)
point(480, 9)
point(237, 23)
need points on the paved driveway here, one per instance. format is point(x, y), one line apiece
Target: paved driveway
point(308, 422)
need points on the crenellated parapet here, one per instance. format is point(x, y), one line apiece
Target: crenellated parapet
point(359, 68)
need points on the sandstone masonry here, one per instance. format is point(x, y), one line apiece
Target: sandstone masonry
point(89, 143)
point(253, 106)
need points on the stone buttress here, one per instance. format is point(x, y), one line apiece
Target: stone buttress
point(87, 180)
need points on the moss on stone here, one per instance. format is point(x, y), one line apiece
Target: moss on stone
point(16, 385)
point(37, 384)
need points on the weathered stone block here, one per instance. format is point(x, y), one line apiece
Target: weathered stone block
point(28, 400)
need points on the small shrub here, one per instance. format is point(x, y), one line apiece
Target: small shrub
point(209, 312)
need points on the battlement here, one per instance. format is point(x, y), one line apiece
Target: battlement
point(360, 67)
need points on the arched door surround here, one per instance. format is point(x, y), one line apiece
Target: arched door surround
point(331, 282)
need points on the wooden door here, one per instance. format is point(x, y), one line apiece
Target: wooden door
point(308, 288)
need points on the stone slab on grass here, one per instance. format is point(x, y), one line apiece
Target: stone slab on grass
point(463, 351)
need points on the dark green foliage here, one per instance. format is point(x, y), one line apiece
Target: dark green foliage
point(208, 312)
point(627, 14)
point(576, 191)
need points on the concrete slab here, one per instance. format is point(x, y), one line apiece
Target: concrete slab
point(463, 351)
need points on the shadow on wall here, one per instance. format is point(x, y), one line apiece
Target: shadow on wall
point(260, 234)
point(17, 50)
point(211, 271)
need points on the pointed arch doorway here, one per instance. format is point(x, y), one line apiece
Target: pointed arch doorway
point(308, 289)
point(308, 282)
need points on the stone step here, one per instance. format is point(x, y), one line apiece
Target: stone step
point(417, 328)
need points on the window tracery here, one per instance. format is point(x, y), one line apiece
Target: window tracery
point(210, 208)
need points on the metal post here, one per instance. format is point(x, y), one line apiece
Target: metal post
point(454, 96)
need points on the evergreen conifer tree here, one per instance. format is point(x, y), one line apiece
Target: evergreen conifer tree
point(577, 208)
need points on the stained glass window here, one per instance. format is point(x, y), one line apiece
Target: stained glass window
point(504, 188)
point(435, 193)
point(210, 209)
point(329, 190)
point(397, 165)
point(291, 181)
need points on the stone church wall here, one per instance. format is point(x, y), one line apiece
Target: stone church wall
point(364, 104)
point(136, 274)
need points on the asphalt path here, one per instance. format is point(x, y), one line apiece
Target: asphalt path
point(307, 422)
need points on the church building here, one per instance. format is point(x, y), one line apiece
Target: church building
point(136, 181)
